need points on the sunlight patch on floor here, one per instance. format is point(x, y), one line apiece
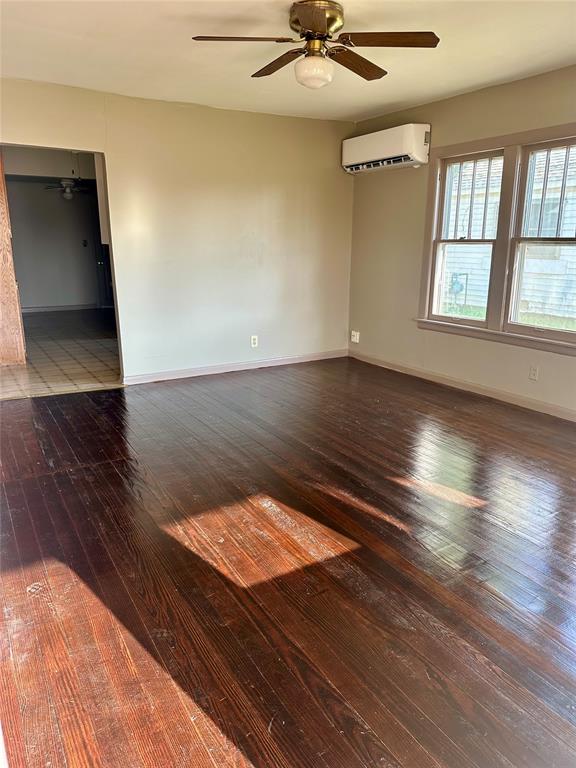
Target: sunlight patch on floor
point(439, 491)
point(364, 506)
point(248, 536)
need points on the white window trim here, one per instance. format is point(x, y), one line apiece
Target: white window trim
point(496, 327)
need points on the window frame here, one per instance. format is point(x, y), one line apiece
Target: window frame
point(439, 240)
point(497, 326)
point(518, 238)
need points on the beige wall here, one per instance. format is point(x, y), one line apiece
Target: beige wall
point(218, 233)
point(224, 224)
point(388, 241)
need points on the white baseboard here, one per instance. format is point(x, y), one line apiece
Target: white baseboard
point(497, 394)
point(62, 308)
point(246, 365)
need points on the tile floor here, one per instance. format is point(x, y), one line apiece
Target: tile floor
point(69, 351)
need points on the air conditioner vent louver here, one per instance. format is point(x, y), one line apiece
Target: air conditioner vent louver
point(406, 145)
point(398, 160)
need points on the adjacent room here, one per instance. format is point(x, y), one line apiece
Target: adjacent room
point(288, 384)
point(61, 255)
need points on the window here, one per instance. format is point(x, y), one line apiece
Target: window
point(468, 227)
point(501, 258)
point(544, 289)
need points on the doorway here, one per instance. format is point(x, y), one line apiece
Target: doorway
point(62, 258)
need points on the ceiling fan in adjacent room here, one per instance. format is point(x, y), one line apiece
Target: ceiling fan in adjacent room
point(68, 187)
point(317, 21)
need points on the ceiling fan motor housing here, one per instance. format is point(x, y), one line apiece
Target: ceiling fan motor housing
point(334, 17)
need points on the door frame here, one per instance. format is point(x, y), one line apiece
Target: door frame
point(12, 339)
point(104, 221)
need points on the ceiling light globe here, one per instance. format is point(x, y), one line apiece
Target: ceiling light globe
point(314, 71)
point(67, 194)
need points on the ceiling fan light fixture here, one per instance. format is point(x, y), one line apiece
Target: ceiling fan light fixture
point(67, 194)
point(314, 71)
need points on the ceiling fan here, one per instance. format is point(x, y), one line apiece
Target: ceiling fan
point(317, 21)
point(68, 187)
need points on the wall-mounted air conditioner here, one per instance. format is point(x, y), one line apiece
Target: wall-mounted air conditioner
point(392, 148)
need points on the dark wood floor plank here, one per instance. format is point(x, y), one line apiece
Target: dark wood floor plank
point(228, 465)
point(129, 682)
point(508, 617)
point(392, 532)
point(271, 509)
point(58, 731)
point(113, 580)
point(325, 565)
point(125, 686)
point(67, 598)
point(203, 649)
point(12, 672)
point(228, 472)
point(191, 573)
point(297, 608)
point(318, 700)
point(362, 448)
point(538, 683)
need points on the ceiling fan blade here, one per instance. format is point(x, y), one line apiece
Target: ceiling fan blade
point(280, 62)
point(312, 19)
point(355, 63)
point(209, 38)
point(389, 39)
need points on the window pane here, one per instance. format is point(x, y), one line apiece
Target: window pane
point(479, 198)
point(463, 216)
point(550, 204)
point(451, 199)
point(472, 199)
point(545, 295)
point(461, 280)
point(568, 211)
point(493, 200)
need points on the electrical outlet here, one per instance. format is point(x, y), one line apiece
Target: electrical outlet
point(533, 373)
point(254, 341)
point(355, 337)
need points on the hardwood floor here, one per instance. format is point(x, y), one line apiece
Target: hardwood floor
point(324, 565)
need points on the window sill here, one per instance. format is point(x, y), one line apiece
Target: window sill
point(517, 339)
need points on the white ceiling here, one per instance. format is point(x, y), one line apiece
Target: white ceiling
point(145, 49)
